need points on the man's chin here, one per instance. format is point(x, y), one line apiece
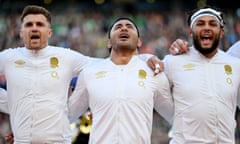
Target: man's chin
point(34, 48)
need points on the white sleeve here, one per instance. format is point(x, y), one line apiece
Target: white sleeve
point(79, 61)
point(163, 101)
point(234, 50)
point(78, 101)
point(3, 101)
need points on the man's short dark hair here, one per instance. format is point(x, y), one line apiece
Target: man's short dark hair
point(34, 9)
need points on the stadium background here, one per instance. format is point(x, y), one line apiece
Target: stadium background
point(82, 25)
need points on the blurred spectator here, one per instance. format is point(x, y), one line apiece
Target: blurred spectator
point(84, 31)
point(4, 127)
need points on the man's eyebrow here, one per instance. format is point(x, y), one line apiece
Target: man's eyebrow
point(129, 24)
point(118, 24)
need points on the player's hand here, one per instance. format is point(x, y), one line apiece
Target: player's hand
point(155, 64)
point(9, 138)
point(179, 46)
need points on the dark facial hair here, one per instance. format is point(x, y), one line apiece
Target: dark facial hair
point(202, 50)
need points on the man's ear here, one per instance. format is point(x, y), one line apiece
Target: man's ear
point(190, 31)
point(139, 43)
point(222, 32)
point(50, 33)
point(20, 34)
point(109, 45)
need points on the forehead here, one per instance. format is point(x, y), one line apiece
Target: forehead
point(207, 18)
point(34, 17)
point(123, 22)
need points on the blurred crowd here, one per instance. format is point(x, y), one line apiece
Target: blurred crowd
point(85, 31)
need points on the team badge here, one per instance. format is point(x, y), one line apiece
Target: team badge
point(228, 69)
point(53, 62)
point(142, 74)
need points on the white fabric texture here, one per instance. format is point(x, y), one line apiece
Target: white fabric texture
point(121, 99)
point(37, 89)
point(234, 50)
point(206, 94)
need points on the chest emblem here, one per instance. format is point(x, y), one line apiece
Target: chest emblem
point(53, 62)
point(228, 69)
point(142, 74)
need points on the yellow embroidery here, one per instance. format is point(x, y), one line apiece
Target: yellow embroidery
point(20, 63)
point(228, 69)
point(189, 67)
point(54, 75)
point(101, 74)
point(142, 74)
point(53, 62)
point(229, 80)
point(141, 83)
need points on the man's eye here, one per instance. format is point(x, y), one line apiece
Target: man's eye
point(213, 24)
point(199, 23)
point(28, 24)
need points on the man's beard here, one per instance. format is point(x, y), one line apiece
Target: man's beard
point(202, 50)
